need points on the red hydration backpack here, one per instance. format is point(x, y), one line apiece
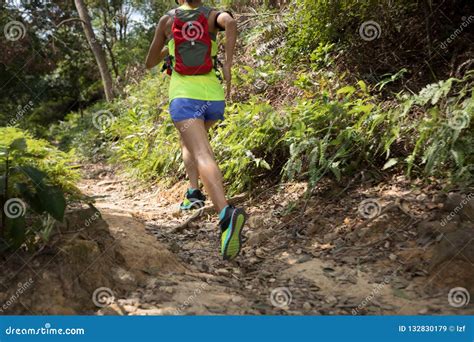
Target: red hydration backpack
point(193, 44)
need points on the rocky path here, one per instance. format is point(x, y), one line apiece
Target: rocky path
point(336, 257)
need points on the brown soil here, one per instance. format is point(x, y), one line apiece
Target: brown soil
point(316, 256)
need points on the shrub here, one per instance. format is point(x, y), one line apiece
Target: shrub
point(35, 173)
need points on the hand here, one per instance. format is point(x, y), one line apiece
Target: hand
point(227, 72)
point(165, 52)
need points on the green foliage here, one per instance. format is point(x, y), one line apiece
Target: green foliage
point(143, 135)
point(325, 135)
point(445, 133)
point(23, 183)
point(340, 137)
point(245, 143)
point(317, 23)
point(77, 132)
point(333, 128)
point(44, 156)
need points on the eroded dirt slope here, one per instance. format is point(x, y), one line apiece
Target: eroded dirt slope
point(364, 247)
point(330, 254)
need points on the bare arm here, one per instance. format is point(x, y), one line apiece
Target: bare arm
point(158, 51)
point(226, 21)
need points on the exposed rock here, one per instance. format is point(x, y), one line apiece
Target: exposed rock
point(144, 255)
point(97, 257)
point(256, 222)
point(258, 238)
point(457, 204)
point(111, 310)
point(330, 237)
point(123, 277)
point(453, 259)
point(152, 312)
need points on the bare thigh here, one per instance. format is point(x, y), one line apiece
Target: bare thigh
point(207, 124)
point(194, 137)
point(210, 123)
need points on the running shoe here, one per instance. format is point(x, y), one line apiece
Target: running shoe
point(231, 232)
point(194, 199)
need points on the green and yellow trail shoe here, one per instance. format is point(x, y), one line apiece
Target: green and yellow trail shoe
point(231, 232)
point(194, 199)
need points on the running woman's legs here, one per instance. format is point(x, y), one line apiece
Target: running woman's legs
point(189, 162)
point(195, 139)
point(191, 167)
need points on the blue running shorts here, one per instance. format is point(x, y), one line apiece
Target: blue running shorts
point(185, 109)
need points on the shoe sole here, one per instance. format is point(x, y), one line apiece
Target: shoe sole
point(232, 249)
point(193, 206)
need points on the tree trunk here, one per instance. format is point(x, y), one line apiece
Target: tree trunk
point(106, 42)
point(112, 57)
point(96, 49)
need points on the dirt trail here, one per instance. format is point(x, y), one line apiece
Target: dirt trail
point(288, 266)
point(124, 256)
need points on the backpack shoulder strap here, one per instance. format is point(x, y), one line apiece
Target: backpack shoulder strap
point(172, 13)
point(206, 10)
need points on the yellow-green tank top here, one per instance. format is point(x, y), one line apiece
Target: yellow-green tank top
point(198, 87)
